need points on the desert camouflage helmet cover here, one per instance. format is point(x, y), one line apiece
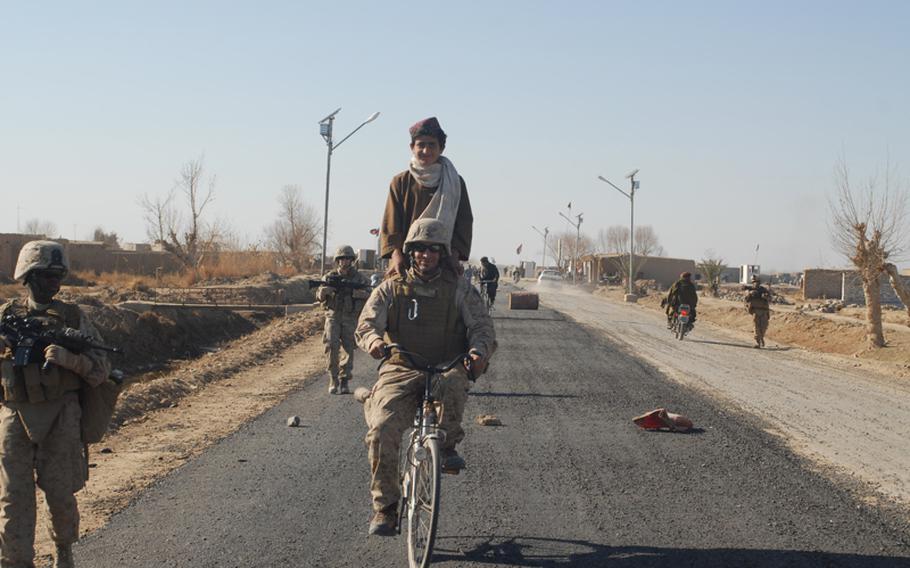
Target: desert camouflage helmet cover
point(40, 255)
point(427, 230)
point(345, 251)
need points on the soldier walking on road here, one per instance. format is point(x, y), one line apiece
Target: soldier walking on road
point(434, 313)
point(342, 304)
point(758, 302)
point(40, 415)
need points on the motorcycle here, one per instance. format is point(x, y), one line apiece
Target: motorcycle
point(681, 324)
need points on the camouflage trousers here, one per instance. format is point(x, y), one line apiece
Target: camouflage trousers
point(61, 466)
point(760, 319)
point(390, 410)
point(338, 337)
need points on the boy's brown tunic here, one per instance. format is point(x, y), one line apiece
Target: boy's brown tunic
point(407, 200)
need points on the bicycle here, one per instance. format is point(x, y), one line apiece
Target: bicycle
point(484, 293)
point(420, 468)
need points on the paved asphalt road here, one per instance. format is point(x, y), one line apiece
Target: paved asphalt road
point(568, 480)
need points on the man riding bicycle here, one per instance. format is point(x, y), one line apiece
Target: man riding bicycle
point(489, 278)
point(438, 315)
point(681, 292)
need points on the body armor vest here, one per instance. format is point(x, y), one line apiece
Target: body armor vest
point(757, 299)
point(343, 301)
point(424, 319)
point(30, 383)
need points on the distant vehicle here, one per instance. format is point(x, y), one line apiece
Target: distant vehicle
point(549, 277)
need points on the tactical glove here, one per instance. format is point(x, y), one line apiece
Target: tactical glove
point(62, 357)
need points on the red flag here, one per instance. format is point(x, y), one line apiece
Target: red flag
point(518, 250)
point(374, 232)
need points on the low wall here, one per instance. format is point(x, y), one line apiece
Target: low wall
point(853, 290)
point(845, 285)
point(91, 256)
point(823, 283)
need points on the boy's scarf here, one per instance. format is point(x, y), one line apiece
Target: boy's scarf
point(443, 205)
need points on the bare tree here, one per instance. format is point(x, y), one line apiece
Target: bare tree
point(110, 239)
point(712, 266)
point(868, 227)
point(187, 236)
point(159, 216)
point(615, 240)
point(295, 233)
point(646, 241)
point(39, 227)
point(899, 288)
point(565, 243)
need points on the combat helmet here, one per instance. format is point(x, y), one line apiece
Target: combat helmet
point(41, 255)
point(345, 251)
point(429, 231)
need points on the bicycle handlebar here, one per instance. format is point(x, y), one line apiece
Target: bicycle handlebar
point(463, 358)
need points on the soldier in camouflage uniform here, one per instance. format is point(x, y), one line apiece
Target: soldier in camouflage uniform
point(342, 307)
point(40, 416)
point(450, 319)
point(759, 305)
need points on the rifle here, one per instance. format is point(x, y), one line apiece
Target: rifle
point(29, 337)
point(339, 283)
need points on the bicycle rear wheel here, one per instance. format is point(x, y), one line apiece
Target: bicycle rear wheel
point(423, 505)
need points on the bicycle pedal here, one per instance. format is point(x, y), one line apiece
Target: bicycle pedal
point(451, 471)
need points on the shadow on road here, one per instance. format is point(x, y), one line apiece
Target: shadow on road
point(531, 551)
point(521, 394)
point(740, 345)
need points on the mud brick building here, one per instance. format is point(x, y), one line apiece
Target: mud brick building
point(92, 256)
point(663, 270)
point(844, 285)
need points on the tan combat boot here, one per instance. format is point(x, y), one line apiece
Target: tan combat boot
point(64, 556)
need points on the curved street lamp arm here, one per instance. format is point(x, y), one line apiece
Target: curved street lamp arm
point(362, 124)
point(603, 179)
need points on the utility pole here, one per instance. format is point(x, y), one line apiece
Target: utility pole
point(577, 226)
point(630, 297)
point(325, 130)
point(544, 233)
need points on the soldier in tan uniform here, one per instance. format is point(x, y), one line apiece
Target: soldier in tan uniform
point(450, 319)
point(342, 308)
point(759, 305)
point(40, 416)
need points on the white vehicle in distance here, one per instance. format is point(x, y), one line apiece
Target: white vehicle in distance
point(549, 277)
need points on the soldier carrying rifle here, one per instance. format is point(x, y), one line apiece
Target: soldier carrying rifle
point(758, 302)
point(42, 426)
point(342, 293)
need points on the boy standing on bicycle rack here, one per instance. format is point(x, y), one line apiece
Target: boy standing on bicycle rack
point(438, 315)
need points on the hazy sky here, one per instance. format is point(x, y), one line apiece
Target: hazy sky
point(735, 113)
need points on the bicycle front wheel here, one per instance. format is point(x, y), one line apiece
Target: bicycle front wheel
point(423, 505)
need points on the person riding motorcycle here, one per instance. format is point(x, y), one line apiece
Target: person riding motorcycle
point(681, 292)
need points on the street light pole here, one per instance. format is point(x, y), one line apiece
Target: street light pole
point(630, 297)
point(577, 226)
point(325, 129)
point(544, 233)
